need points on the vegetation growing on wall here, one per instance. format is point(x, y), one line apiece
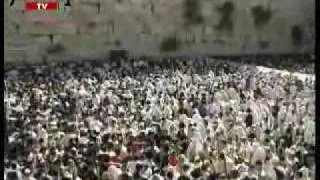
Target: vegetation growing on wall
point(55, 48)
point(296, 35)
point(92, 24)
point(264, 44)
point(117, 42)
point(192, 12)
point(225, 11)
point(170, 44)
point(78, 31)
point(261, 15)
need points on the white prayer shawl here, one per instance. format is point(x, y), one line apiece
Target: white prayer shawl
point(242, 83)
point(301, 106)
point(96, 100)
point(121, 109)
point(271, 121)
point(147, 173)
point(264, 90)
point(259, 154)
point(114, 173)
point(269, 171)
point(94, 124)
point(256, 118)
point(245, 151)
point(272, 93)
point(173, 130)
point(175, 106)
point(238, 131)
point(82, 91)
point(202, 130)
point(171, 88)
point(131, 167)
point(156, 177)
point(132, 107)
point(155, 111)
point(221, 129)
point(176, 174)
point(194, 148)
point(279, 91)
point(168, 124)
point(18, 108)
point(10, 99)
point(167, 111)
point(223, 167)
point(311, 109)
point(253, 82)
point(265, 111)
point(42, 133)
point(309, 132)
point(219, 96)
point(185, 104)
point(197, 119)
point(290, 118)
point(282, 112)
point(147, 114)
point(305, 173)
point(184, 118)
point(293, 89)
point(233, 94)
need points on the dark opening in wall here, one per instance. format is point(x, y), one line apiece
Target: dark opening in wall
point(261, 15)
point(192, 12)
point(119, 54)
point(117, 42)
point(170, 44)
point(264, 44)
point(55, 48)
point(296, 35)
point(225, 11)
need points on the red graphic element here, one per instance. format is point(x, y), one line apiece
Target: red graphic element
point(45, 6)
point(173, 160)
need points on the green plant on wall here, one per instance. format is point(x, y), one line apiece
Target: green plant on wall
point(264, 44)
point(92, 24)
point(261, 15)
point(117, 43)
point(170, 44)
point(192, 12)
point(225, 10)
point(55, 48)
point(296, 35)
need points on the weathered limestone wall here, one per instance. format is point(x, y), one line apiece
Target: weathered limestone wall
point(131, 25)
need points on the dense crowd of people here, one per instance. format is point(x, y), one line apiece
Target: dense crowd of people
point(173, 120)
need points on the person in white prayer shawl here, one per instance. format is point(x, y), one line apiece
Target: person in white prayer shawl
point(309, 131)
point(259, 153)
point(198, 122)
point(223, 164)
point(268, 169)
point(196, 146)
point(238, 130)
point(95, 113)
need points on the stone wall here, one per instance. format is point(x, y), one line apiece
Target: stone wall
point(140, 26)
